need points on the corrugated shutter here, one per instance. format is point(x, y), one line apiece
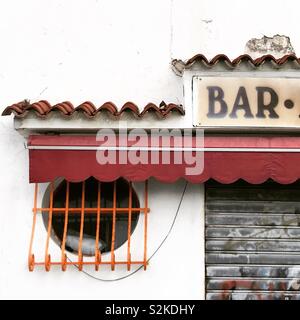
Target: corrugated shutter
point(252, 241)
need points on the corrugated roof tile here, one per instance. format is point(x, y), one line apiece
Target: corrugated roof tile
point(43, 108)
point(255, 63)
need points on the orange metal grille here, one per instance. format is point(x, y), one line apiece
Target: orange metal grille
point(97, 261)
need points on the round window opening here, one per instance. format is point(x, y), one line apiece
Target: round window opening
point(90, 215)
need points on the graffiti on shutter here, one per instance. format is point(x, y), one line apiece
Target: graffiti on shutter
point(252, 241)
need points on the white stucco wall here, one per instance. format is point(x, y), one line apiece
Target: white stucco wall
point(113, 51)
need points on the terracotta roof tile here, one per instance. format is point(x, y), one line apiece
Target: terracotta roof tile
point(65, 108)
point(43, 108)
point(255, 63)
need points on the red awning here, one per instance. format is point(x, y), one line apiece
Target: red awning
point(226, 159)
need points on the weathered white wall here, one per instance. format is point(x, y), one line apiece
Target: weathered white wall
point(215, 26)
point(113, 50)
point(172, 272)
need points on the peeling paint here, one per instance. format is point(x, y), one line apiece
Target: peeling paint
point(178, 67)
point(278, 46)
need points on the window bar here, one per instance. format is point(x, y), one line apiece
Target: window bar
point(80, 258)
point(47, 256)
point(31, 256)
point(90, 263)
point(145, 224)
point(90, 210)
point(63, 246)
point(129, 226)
point(113, 236)
point(97, 251)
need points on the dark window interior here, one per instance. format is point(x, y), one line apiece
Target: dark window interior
point(90, 219)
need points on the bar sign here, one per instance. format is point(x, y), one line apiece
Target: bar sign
point(246, 102)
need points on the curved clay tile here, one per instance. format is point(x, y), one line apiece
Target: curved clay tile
point(88, 109)
point(43, 108)
point(174, 107)
point(266, 58)
point(197, 57)
point(242, 58)
point(220, 58)
point(18, 109)
point(288, 57)
point(130, 106)
point(164, 109)
point(153, 107)
point(110, 107)
point(65, 108)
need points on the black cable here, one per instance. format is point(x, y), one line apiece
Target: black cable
point(141, 267)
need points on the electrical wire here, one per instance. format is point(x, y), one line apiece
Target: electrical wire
point(153, 254)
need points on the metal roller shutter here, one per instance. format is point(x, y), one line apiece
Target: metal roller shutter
point(252, 241)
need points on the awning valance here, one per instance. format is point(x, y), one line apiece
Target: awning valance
point(224, 159)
